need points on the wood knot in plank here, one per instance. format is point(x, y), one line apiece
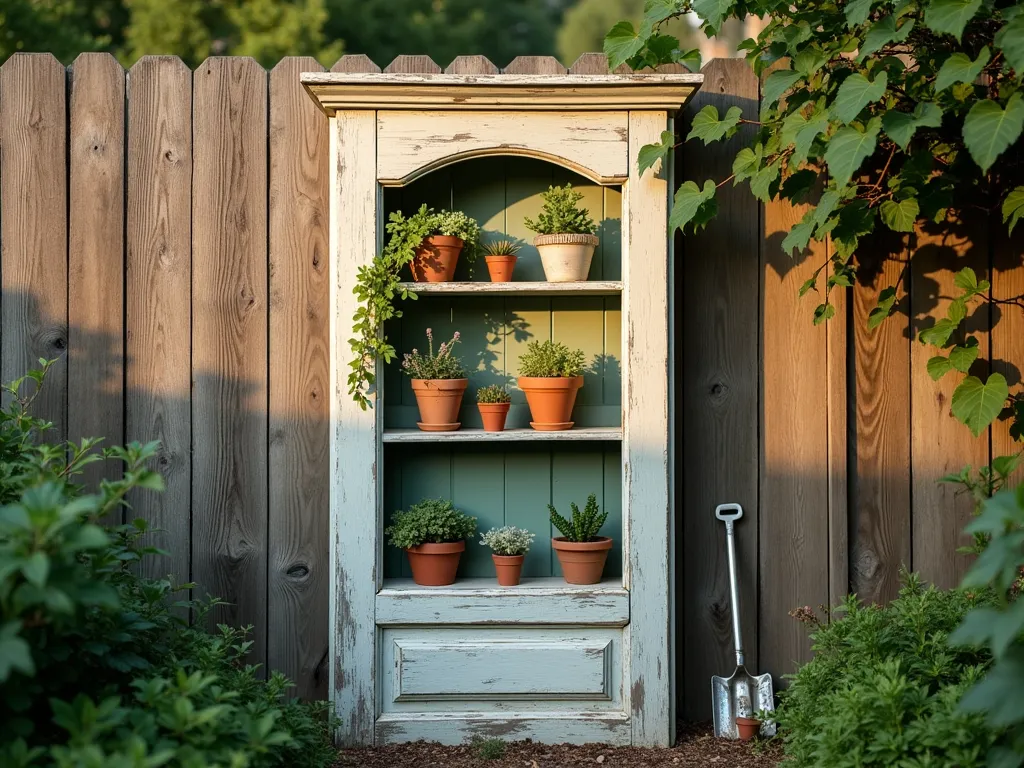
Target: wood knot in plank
point(298, 572)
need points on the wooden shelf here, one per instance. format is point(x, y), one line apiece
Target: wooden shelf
point(589, 287)
point(508, 436)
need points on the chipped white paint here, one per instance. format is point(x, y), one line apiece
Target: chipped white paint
point(591, 287)
point(414, 143)
point(545, 728)
point(645, 439)
point(509, 435)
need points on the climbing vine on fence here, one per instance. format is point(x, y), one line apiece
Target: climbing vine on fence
point(891, 113)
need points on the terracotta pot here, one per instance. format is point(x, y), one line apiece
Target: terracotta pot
point(550, 400)
point(566, 258)
point(494, 415)
point(509, 568)
point(434, 565)
point(436, 258)
point(748, 727)
point(501, 268)
point(439, 401)
point(582, 561)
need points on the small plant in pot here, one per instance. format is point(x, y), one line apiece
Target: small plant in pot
point(433, 534)
point(565, 235)
point(501, 257)
point(449, 233)
point(581, 552)
point(438, 381)
point(509, 546)
point(550, 375)
point(493, 402)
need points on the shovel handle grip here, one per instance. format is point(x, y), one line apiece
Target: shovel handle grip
point(728, 512)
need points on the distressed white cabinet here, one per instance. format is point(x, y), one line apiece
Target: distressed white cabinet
point(544, 660)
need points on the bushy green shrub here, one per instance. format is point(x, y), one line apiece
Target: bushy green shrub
point(884, 686)
point(97, 666)
point(550, 359)
point(431, 521)
point(561, 214)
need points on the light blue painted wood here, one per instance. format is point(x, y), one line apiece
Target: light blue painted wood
point(459, 727)
point(527, 494)
point(478, 487)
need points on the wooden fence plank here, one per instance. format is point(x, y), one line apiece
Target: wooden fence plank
point(836, 342)
point(355, 62)
point(940, 444)
point(159, 298)
point(535, 65)
point(1007, 327)
point(716, 362)
point(595, 64)
point(471, 65)
point(33, 227)
point(298, 569)
point(96, 258)
point(413, 64)
point(229, 340)
point(880, 490)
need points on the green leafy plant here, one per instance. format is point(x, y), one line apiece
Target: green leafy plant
point(502, 247)
point(549, 359)
point(981, 485)
point(908, 114)
point(561, 214)
point(379, 283)
point(442, 365)
point(493, 393)
point(884, 686)
point(489, 749)
point(508, 540)
point(431, 521)
point(583, 526)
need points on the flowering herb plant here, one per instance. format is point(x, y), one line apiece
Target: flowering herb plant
point(430, 365)
point(508, 541)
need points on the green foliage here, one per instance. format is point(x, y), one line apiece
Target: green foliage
point(508, 540)
point(493, 393)
point(97, 667)
point(550, 359)
point(502, 247)
point(432, 521)
point(999, 628)
point(982, 485)
point(488, 749)
point(583, 526)
point(63, 27)
point(561, 214)
point(884, 685)
point(430, 365)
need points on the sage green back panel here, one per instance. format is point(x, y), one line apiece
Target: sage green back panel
point(510, 484)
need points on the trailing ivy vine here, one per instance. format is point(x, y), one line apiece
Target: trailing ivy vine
point(902, 112)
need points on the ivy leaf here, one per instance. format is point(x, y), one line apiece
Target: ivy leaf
point(882, 33)
point(1013, 207)
point(1010, 40)
point(713, 12)
point(810, 60)
point(816, 124)
point(849, 148)
point(901, 126)
point(798, 238)
point(690, 59)
point(938, 367)
point(938, 335)
point(962, 358)
point(950, 16)
point(966, 280)
point(978, 404)
point(694, 205)
point(989, 129)
point(823, 312)
point(745, 164)
point(650, 154)
point(799, 185)
point(621, 43)
point(708, 127)
point(857, 12)
point(827, 205)
point(886, 303)
point(900, 216)
point(809, 285)
point(959, 68)
point(857, 92)
point(777, 83)
point(761, 182)
point(656, 11)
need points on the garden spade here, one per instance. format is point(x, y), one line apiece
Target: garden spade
point(742, 694)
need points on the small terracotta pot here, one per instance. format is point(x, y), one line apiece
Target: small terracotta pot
point(436, 258)
point(501, 268)
point(434, 565)
point(582, 561)
point(748, 727)
point(509, 568)
point(566, 258)
point(439, 401)
point(494, 415)
point(550, 400)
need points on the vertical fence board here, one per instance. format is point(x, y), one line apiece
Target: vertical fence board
point(471, 65)
point(716, 360)
point(33, 227)
point(535, 65)
point(299, 373)
point(837, 344)
point(159, 298)
point(229, 340)
point(413, 64)
point(96, 257)
point(1007, 327)
point(939, 443)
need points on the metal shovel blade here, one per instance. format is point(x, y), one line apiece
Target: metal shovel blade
point(741, 695)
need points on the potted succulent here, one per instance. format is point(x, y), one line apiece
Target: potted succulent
point(550, 375)
point(565, 235)
point(493, 402)
point(437, 254)
point(501, 257)
point(581, 552)
point(433, 534)
point(438, 381)
point(509, 546)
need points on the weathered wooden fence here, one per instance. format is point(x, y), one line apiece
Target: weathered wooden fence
point(164, 231)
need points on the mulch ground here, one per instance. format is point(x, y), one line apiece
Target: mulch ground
point(696, 748)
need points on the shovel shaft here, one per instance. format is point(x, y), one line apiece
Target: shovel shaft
point(734, 591)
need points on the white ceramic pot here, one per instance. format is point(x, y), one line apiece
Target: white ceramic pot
point(566, 258)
